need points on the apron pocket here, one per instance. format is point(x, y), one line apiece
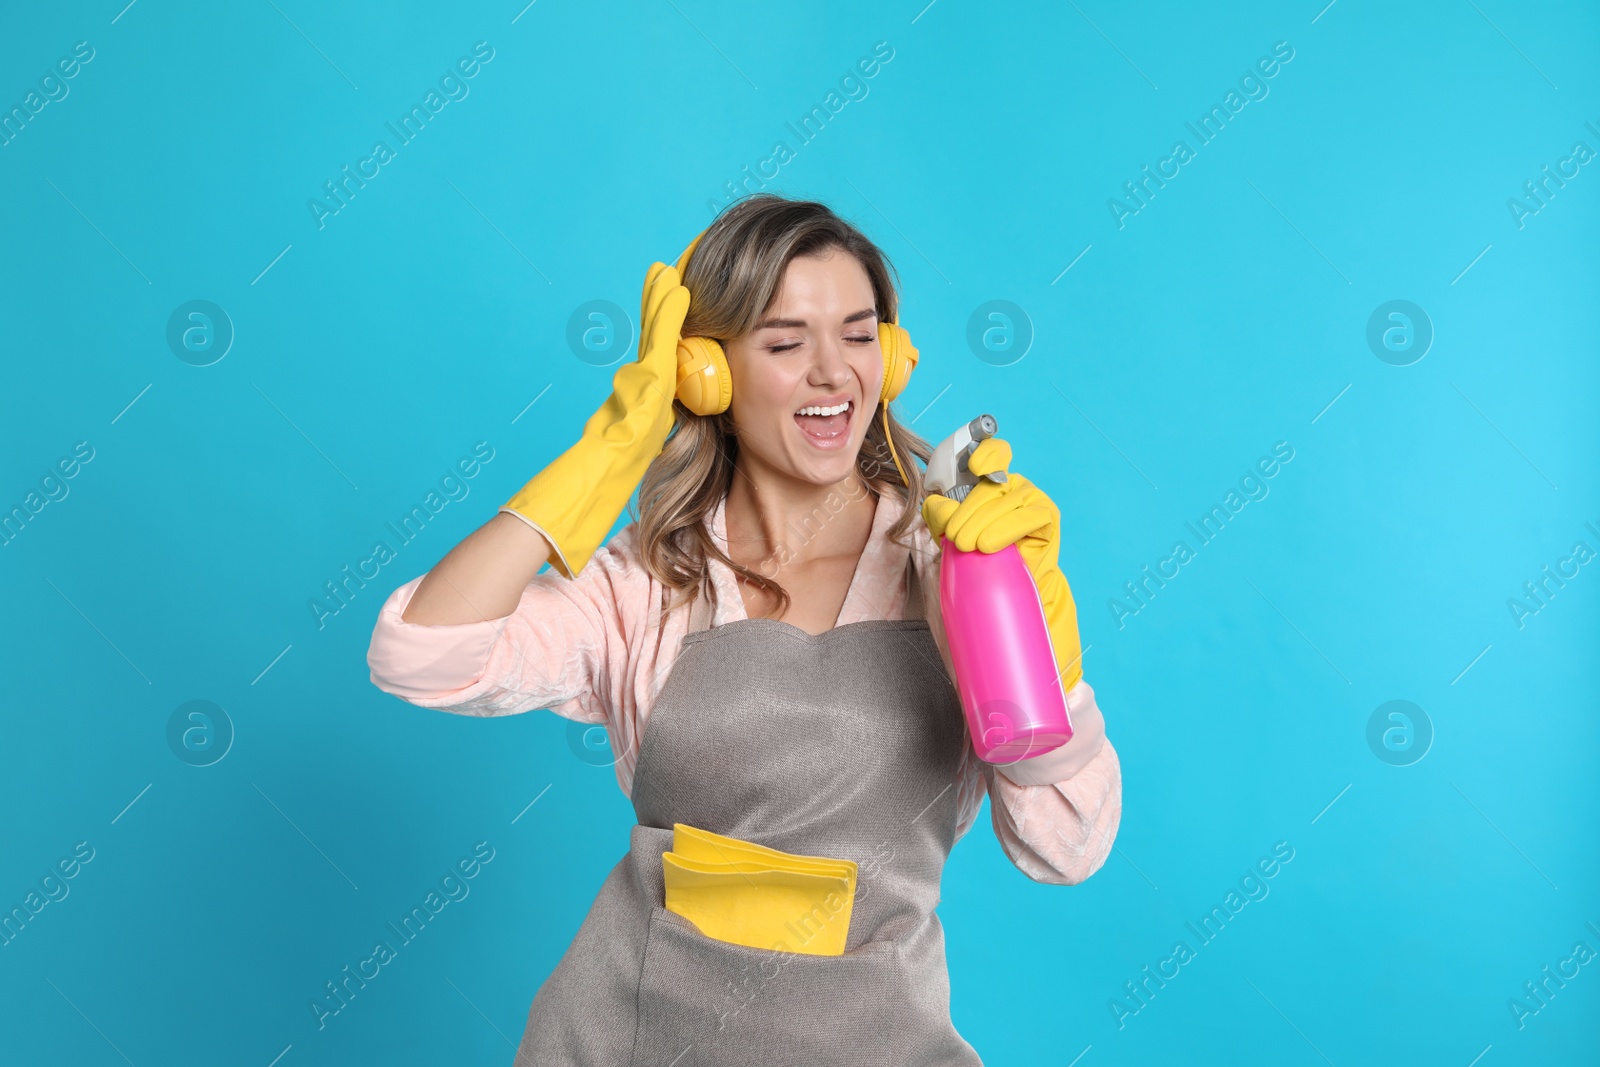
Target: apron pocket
point(709, 1003)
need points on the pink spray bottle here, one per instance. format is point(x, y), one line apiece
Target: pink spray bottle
point(995, 625)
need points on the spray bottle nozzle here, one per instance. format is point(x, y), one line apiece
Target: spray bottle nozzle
point(947, 468)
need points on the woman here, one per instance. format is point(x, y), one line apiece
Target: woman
point(773, 617)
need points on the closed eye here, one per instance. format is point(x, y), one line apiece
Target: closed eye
point(866, 340)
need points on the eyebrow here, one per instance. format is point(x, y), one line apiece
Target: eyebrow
point(790, 324)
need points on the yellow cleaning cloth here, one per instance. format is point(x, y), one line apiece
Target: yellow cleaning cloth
point(747, 894)
point(693, 843)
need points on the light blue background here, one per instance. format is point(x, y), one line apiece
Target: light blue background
point(1224, 317)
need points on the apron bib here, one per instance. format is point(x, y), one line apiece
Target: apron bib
point(844, 744)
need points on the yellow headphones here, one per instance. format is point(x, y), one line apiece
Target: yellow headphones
point(705, 385)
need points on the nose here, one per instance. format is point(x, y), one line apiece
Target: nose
point(831, 369)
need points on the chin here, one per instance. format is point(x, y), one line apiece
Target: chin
point(828, 469)
point(805, 462)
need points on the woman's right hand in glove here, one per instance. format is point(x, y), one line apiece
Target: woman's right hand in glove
point(575, 500)
point(565, 511)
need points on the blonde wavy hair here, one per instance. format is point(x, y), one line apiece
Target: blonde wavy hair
point(733, 277)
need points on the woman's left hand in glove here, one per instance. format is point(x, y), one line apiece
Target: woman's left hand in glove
point(1014, 512)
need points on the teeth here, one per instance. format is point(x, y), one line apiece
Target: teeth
point(814, 409)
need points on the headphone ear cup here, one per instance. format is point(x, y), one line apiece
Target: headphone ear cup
point(899, 359)
point(704, 384)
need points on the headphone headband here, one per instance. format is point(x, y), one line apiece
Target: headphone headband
point(683, 260)
point(705, 385)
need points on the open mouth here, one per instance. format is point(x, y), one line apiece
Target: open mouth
point(826, 425)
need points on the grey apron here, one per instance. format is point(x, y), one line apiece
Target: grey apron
point(844, 744)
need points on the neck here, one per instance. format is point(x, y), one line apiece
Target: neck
point(780, 522)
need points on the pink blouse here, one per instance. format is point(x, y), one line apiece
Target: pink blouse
point(594, 649)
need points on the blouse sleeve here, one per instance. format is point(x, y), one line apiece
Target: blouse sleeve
point(556, 650)
point(1055, 815)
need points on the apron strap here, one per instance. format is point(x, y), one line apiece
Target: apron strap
point(701, 611)
point(914, 608)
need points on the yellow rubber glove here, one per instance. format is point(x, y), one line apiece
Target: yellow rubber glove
point(746, 894)
point(575, 500)
point(1017, 512)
